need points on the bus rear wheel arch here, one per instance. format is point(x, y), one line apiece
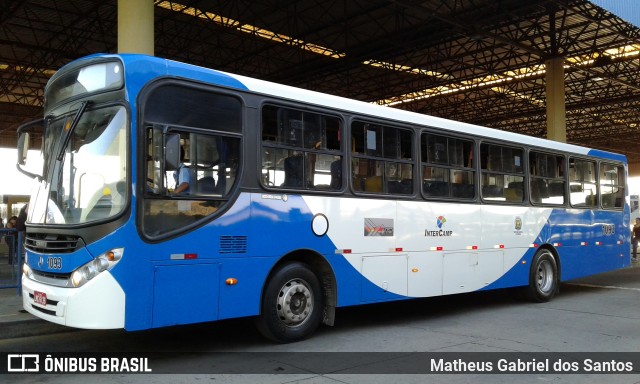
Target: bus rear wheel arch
point(292, 304)
point(544, 277)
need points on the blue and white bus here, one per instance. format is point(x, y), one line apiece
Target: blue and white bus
point(295, 203)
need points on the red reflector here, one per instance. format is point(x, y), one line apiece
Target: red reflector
point(398, 249)
point(183, 256)
point(439, 248)
point(346, 251)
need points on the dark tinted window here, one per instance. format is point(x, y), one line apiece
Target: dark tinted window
point(193, 156)
point(547, 178)
point(179, 105)
point(447, 167)
point(502, 177)
point(301, 149)
point(382, 159)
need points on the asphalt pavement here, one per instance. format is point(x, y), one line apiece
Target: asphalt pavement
point(16, 322)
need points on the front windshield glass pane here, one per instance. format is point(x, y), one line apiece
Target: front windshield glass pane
point(86, 181)
point(93, 78)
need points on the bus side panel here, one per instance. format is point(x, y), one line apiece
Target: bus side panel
point(281, 224)
point(193, 299)
point(514, 231)
point(574, 239)
point(442, 247)
point(442, 240)
point(242, 298)
point(371, 265)
point(588, 248)
point(184, 274)
point(365, 263)
point(578, 238)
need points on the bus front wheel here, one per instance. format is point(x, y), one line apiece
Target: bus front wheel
point(291, 307)
point(543, 277)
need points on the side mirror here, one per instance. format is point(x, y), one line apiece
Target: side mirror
point(24, 139)
point(23, 147)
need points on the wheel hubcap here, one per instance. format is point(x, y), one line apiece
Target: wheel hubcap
point(545, 276)
point(295, 302)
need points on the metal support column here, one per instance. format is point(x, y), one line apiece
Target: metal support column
point(556, 117)
point(135, 26)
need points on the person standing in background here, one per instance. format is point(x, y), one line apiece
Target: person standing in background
point(635, 238)
point(22, 219)
point(11, 237)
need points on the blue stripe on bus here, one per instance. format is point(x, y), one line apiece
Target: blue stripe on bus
point(576, 260)
point(140, 69)
point(607, 155)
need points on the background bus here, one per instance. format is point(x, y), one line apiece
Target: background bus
point(298, 203)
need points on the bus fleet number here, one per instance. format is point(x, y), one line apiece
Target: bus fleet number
point(54, 262)
point(608, 229)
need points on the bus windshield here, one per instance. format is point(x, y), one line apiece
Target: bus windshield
point(85, 180)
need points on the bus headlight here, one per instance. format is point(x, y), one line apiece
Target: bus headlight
point(93, 268)
point(26, 270)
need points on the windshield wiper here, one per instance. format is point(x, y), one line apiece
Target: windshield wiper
point(74, 122)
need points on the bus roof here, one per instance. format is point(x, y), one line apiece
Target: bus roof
point(175, 68)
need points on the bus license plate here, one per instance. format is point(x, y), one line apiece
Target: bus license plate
point(40, 298)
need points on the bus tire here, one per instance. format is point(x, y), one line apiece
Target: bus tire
point(292, 304)
point(543, 277)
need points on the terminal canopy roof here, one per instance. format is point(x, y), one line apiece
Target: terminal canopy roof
point(478, 61)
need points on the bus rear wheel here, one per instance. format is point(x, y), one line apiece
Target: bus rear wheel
point(543, 277)
point(292, 304)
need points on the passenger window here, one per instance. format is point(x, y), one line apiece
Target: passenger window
point(502, 177)
point(382, 159)
point(192, 159)
point(612, 186)
point(547, 181)
point(194, 164)
point(447, 167)
point(582, 183)
point(301, 150)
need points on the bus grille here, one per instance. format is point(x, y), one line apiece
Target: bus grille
point(51, 243)
point(233, 244)
point(57, 279)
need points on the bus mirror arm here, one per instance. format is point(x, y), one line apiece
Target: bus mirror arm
point(29, 174)
point(23, 147)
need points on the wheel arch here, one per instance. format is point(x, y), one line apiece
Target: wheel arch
point(544, 275)
point(321, 267)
